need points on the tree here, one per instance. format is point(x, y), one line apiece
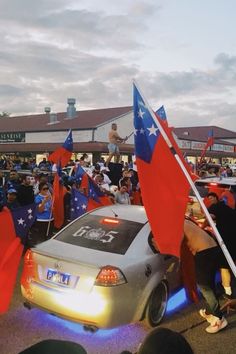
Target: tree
point(5, 114)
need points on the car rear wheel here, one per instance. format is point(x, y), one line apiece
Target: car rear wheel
point(156, 305)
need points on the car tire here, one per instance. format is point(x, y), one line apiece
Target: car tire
point(156, 305)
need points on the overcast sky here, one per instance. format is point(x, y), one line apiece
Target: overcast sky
point(181, 52)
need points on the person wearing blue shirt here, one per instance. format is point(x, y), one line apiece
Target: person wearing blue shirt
point(43, 227)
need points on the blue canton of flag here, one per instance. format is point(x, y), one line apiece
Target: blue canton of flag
point(79, 173)
point(146, 132)
point(24, 218)
point(68, 144)
point(79, 203)
point(94, 191)
point(161, 113)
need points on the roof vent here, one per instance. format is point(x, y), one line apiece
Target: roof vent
point(71, 110)
point(53, 118)
point(186, 133)
point(47, 109)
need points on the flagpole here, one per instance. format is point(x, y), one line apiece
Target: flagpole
point(49, 222)
point(187, 175)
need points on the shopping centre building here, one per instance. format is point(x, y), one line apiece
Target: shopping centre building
point(37, 135)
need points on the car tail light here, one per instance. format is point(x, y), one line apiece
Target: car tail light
point(29, 271)
point(28, 259)
point(110, 276)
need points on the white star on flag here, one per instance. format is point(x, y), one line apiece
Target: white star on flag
point(141, 113)
point(152, 130)
point(83, 206)
point(21, 221)
point(30, 216)
point(30, 211)
point(142, 131)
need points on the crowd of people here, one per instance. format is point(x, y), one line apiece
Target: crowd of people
point(121, 186)
point(22, 187)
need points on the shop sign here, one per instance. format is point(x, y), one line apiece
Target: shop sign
point(228, 148)
point(15, 137)
point(218, 147)
point(184, 144)
point(197, 145)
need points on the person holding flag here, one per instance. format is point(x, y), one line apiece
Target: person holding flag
point(43, 226)
point(166, 203)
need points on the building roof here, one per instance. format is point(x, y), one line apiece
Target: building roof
point(92, 146)
point(201, 133)
point(83, 120)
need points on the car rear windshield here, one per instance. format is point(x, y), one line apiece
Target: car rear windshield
point(101, 233)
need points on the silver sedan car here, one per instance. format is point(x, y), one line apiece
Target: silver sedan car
point(102, 270)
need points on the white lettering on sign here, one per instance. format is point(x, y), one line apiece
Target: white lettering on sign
point(95, 234)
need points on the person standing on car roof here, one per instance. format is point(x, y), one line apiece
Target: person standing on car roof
point(113, 148)
point(225, 218)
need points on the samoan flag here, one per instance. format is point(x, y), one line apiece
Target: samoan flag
point(63, 153)
point(94, 192)
point(209, 143)
point(162, 114)
point(164, 195)
point(79, 174)
point(79, 204)
point(23, 218)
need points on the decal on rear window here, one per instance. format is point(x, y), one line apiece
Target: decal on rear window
point(91, 231)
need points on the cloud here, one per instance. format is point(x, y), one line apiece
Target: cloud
point(51, 50)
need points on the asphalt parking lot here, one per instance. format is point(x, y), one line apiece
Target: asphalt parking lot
point(21, 328)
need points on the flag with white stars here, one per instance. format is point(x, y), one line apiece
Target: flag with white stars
point(163, 184)
point(78, 205)
point(64, 152)
point(79, 173)
point(146, 132)
point(94, 192)
point(162, 114)
point(23, 218)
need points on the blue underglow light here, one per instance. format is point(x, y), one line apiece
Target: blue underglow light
point(79, 329)
point(177, 300)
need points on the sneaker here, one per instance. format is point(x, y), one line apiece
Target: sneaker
point(202, 312)
point(216, 325)
point(227, 297)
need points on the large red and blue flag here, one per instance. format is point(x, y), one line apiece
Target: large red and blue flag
point(162, 114)
point(14, 226)
point(209, 143)
point(64, 152)
point(164, 187)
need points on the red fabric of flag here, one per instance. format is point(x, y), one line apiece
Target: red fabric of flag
point(165, 192)
point(10, 254)
point(58, 202)
point(164, 187)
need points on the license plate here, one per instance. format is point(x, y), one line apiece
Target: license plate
point(57, 277)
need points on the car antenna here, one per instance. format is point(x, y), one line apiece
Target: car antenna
point(115, 215)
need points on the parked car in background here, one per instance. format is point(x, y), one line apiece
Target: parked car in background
point(211, 184)
point(101, 270)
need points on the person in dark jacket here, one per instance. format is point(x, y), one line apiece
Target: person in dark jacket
point(25, 191)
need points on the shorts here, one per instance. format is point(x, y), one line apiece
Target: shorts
point(113, 148)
